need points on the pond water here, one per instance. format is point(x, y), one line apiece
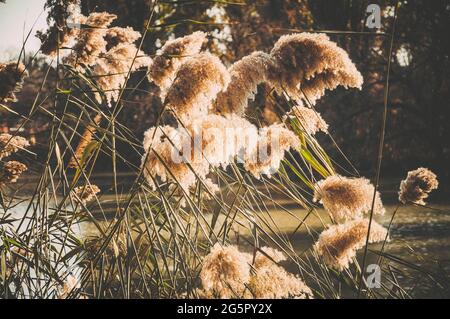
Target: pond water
point(418, 235)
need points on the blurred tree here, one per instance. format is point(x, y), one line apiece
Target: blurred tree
point(420, 113)
point(417, 128)
point(418, 102)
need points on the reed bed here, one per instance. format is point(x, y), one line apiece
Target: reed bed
point(196, 220)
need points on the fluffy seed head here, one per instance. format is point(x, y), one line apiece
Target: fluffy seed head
point(90, 41)
point(310, 120)
point(172, 54)
point(417, 185)
point(273, 282)
point(198, 81)
point(11, 79)
point(223, 138)
point(268, 257)
point(211, 141)
point(273, 142)
point(339, 243)
point(11, 171)
point(11, 144)
point(347, 198)
point(164, 157)
point(225, 272)
point(118, 35)
point(113, 67)
point(246, 74)
point(84, 194)
point(60, 33)
point(311, 63)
